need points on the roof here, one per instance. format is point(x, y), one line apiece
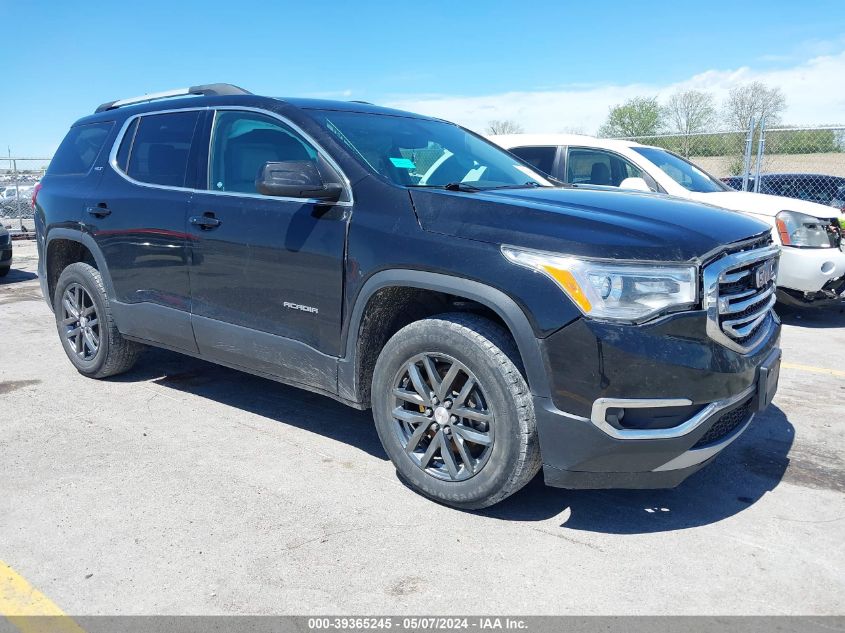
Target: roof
point(246, 100)
point(347, 106)
point(536, 140)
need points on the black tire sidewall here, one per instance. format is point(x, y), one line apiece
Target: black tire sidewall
point(84, 276)
point(426, 336)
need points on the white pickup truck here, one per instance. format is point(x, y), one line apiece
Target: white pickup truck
point(812, 263)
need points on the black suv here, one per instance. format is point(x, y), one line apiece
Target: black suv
point(493, 321)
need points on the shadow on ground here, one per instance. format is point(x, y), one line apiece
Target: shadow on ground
point(17, 276)
point(832, 316)
point(753, 465)
point(749, 468)
point(269, 399)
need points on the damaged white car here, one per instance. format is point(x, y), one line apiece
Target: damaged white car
point(812, 263)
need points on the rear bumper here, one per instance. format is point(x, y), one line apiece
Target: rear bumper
point(684, 400)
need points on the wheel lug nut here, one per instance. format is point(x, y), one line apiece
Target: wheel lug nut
point(434, 400)
point(435, 427)
point(428, 411)
point(448, 404)
point(453, 419)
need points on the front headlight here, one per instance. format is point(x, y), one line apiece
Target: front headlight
point(615, 291)
point(802, 230)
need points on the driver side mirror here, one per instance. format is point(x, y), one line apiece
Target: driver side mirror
point(296, 179)
point(637, 184)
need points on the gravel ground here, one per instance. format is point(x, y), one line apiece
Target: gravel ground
point(186, 488)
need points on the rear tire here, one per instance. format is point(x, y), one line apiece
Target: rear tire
point(468, 437)
point(5, 270)
point(86, 327)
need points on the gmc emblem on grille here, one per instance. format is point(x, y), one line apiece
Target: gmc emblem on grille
point(764, 274)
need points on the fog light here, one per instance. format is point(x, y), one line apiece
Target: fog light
point(614, 416)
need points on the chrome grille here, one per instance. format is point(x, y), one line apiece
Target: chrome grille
point(739, 294)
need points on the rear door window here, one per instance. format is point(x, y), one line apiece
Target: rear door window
point(542, 158)
point(79, 149)
point(160, 148)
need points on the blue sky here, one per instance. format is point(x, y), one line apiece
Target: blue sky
point(465, 60)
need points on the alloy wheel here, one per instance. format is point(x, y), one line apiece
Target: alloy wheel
point(81, 322)
point(442, 418)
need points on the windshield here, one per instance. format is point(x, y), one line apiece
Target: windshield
point(423, 153)
point(682, 171)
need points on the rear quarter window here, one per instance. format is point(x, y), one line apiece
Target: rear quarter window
point(79, 149)
point(160, 148)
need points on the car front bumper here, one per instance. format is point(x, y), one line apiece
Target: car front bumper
point(683, 399)
point(808, 270)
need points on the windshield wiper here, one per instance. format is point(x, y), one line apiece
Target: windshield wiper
point(460, 186)
point(525, 185)
point(450, 186)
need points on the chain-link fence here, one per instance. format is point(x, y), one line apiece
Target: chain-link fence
point(805, 163)
point(18, 177)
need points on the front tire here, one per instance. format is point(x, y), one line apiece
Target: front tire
point(453, 411)
point(4, 270)
point(86, 327)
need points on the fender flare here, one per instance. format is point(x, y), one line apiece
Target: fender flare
point(75, 235)
point(503, 305)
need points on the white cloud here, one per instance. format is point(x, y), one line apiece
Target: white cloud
point(813, 91)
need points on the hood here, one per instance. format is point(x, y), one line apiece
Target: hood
point(763, 203)
point(591, 223)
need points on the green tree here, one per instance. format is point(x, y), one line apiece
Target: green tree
point(640, 116)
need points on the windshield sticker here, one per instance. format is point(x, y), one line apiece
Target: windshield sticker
point(403, 163)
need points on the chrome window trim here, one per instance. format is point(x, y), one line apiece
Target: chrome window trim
point(116, 147)
point(601, 405)
point(328, 158)
point(716, 273)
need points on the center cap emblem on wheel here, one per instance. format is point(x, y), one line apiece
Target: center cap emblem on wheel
point(441, 415)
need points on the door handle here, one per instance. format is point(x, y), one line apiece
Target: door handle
point(100, 211)
point(206, 221)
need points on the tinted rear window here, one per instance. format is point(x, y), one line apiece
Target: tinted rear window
point(160, 148)
point(80, 149)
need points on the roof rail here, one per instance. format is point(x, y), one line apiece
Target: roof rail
point(211, 90)
point(359, 101)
